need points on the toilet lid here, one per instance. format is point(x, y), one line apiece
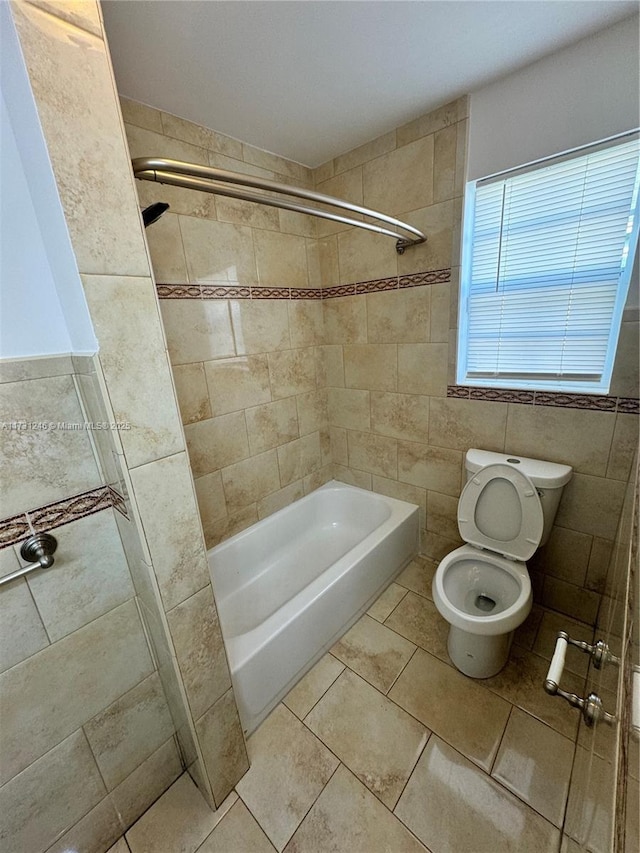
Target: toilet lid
point(499, 509)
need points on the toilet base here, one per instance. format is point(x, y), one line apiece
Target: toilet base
point(476, 655)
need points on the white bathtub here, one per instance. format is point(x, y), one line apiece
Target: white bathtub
point(289, 586)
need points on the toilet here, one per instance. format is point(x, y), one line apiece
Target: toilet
point(505, 512)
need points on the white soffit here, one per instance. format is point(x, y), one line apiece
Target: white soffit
point(311, 79)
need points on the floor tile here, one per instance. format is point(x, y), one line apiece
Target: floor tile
point(289, 768)
point(385, 603)
point(347, 817)
point(526, 634)
point(534, 762)
point(441, 697)
point(377, 740)
point(590, 807)
point(237, 832)
point(119, 847)
point(313, 686)
point(417, 619)
point(176, 823)
point(374, 652)
point(418, 576)
point(453, 807)
point(521, 683)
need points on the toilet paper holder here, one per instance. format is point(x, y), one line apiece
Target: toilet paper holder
point(591, 706)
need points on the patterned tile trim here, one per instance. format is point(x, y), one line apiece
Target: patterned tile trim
point(591, 402)
point(19, 527)
point(215, 291)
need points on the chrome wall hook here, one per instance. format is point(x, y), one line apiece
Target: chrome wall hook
point(39, 550)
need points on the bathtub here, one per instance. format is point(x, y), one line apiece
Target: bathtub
point(289, 586)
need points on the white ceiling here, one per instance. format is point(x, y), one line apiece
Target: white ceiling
point(311, 79)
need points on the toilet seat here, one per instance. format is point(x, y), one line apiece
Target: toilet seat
point(526, 520)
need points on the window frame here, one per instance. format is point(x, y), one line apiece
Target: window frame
point(537, 383)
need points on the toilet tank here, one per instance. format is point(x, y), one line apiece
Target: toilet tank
point(549, 478)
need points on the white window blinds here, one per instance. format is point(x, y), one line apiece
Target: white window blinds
point(546, 265)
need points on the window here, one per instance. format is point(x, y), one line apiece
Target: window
point(547, 257)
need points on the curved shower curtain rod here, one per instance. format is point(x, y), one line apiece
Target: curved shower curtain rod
point(211, 180)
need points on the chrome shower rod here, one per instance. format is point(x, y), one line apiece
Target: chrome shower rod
point(222, 182)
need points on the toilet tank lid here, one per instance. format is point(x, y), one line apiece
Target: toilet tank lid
point(545, 475)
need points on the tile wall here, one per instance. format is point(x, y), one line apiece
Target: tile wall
point(384, 349)
point(72, 81)
point(87, 740)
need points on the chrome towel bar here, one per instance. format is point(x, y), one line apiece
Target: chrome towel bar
point(223, 182)
point(40, 548)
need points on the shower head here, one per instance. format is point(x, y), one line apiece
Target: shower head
point(152, 213)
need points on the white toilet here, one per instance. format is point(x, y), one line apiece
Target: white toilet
point(482, 589)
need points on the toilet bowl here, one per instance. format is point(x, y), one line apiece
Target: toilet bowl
point(483, 588)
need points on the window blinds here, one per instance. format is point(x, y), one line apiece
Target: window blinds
point(550, 257)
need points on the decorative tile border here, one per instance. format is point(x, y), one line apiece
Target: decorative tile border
point(19, 527)
point(590, 402)
point(215, 291)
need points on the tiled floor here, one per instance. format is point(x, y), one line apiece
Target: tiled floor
point(384, 746)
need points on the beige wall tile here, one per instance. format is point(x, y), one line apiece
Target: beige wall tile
point(237, 383)
point(570, 436)
point(167, 506)
point(422, 369)
point(22, 633)
point(197, 638)
point(197, 329)
point(462, 137)
point(568, 598)
point(363, 153)
point(64, 63)
point(139, 114)
point(312, 411)
point(440, 312)
point(282, 166)
point(338, 443)
point(623, 446)
point(318, 478)
point(401, 180)
point(280, 499)
point(625, 379)
point(127, 732)
point(323, 173)
point(272, 424)
point(306, 322)
point(165, 247)
point(330, 366)
point(246, 213)
point(225, 754)
point(442, 515)
point(436, 222)
point(260, 325)
point(591, 505)
point(35, 707)
point(246, 482)
point(50, 796)
point(211, 502)
point(27, 453)
point(444, 163)
point(299, 458)
point(345, 320)
point(98, 829)
point(76, 12)
point(192, 393)
point(216, 442)
point(218, 252)
point(140, 385)
point(141, 142)
point(598, 567)
point(371, 366)
point(374, 453)
point(402, 491)
point(292, 372)
point(347, 186)
point(365, 255)
point(86, 582)
point(400, 415)
point(360, 479)
point(297, 223)
point(349, 408)
point(431, 122)
point(461, 424)
point(281, 259)
point(147, 782)
point(434, 468)
point(399, 316)
point(566, 555)
point(328, 259)
point(202, 136)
